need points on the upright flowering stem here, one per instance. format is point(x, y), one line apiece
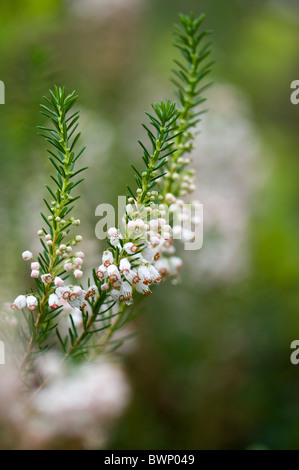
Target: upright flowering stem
point(50, 262)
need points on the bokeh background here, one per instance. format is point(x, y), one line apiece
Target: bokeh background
point(210, 367)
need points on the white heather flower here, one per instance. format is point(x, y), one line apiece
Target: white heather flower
point(101, 272)
point(130, 248)
point(125, 292)
point(107, 258)
point(47, 278)
point(166, 228)
point(72, 296)
point(188, 235)
point(175, 265)
point(176, 262)
point(132, 276)
point(116, 284)
point(53, 301)
point(161, 222)
point(154, 224)
point(27, 255)
point(105, 286)
point(77, 301)
point(114, 235)
point(113, 232)
point(155, 241)
point(65, 292)
point(140, 223)
point(124, 266)
point(142, 288)
point(58, 282)
point(77, 290)
point(115, 294)
point(129, 209)
point(79, 254)
point(77, 317)
point(35, 274)
point(155, 276)
point(19, 303)
point(148, 254)
point(91, 291)
point(35, 266)
point(131, 224)
point(78, 273)
point(78, 262)
point(59, 292)
point(162, 266)
point(177, 231)
point(167, 236)
point(144, 275)
point(113, 273)
point(32, 302)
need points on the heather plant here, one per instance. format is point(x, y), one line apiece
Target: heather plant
point(140, 251)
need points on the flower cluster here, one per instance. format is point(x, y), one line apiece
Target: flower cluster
point(141, 251)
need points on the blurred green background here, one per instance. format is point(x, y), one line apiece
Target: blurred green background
point(210, 368)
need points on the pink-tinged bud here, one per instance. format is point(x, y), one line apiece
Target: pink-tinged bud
point(131, 224)
point(58, 282)
point(78, 261)
point(105, 286)
point(35, 274)
point(155, 241)
point(78, 274)
point(112, 232)
point(170, 198)
point(27, 255)
point(68, 267)
point(77, 290)
point(80, 254)
point(35, 266)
